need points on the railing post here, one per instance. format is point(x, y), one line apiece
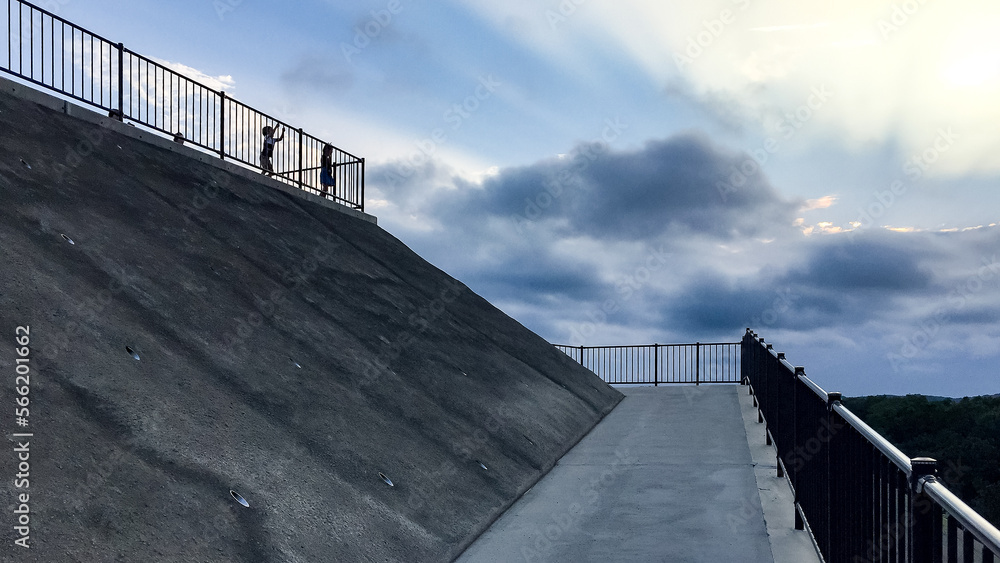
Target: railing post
point(923, 516)
point(362, 202)
point(796, 421)
point(832, 504)
point(777, 454)
point(301, 166)
point(121, 82)
point(744, 372)
point(697, 363)
point(656, 365)
point(222, 125)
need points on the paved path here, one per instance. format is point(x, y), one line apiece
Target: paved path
point(667, 476)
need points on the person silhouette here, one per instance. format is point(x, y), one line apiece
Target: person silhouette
point(270, 138)
point(326, 177)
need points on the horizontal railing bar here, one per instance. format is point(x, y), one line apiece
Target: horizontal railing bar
point(65, 21)
point(815, 388)
point(890, 451)
point(335, 165)
point(982, 529)
point(691, 383)
point(150, 61)
point(620, 346)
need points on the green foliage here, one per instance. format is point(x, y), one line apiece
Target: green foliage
point(963, 435)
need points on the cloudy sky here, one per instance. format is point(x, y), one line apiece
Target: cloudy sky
point(637, 171)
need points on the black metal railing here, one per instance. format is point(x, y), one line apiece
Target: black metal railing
point(653, 364)
point(51, 52)
point(860, 497)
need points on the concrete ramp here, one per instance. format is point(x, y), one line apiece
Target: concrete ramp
point(195, 332)
point(674, 474)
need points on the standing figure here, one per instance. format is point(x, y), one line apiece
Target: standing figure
point(326, 170)
point(270, 137)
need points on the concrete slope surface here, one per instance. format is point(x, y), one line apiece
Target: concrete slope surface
point(190, 332)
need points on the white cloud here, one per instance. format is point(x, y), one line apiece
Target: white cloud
point(219, 83)
point(821, 203)
point(896, 76)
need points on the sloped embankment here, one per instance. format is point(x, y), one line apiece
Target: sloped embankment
point(194, 332)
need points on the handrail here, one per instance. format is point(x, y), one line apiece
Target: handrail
point(46, 50)
point(655, 364)
point(862, 498)
point(815, 388)
point(901, 460)
point(982, 529)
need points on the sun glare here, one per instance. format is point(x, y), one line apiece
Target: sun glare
point(980, 69)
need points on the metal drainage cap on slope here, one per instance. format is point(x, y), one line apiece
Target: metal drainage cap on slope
point(28, 166)
point(132, 353)
point(386, 479)
point(239, 498)
point(483, 466)
point(296, 363)
point(67, 239)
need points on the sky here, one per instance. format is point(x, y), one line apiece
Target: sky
point(633, 172)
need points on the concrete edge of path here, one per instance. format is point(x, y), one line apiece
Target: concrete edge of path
point(788, 545)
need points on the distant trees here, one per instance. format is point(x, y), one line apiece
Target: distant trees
point(963, 435)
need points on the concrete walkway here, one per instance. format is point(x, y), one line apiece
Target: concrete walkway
point(667, 476)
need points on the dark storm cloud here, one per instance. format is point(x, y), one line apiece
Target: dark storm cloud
point(840, 283)
point(681, 182)
point(532, 279)
point(679, 186)
point(409, 190)
point(868, 264)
